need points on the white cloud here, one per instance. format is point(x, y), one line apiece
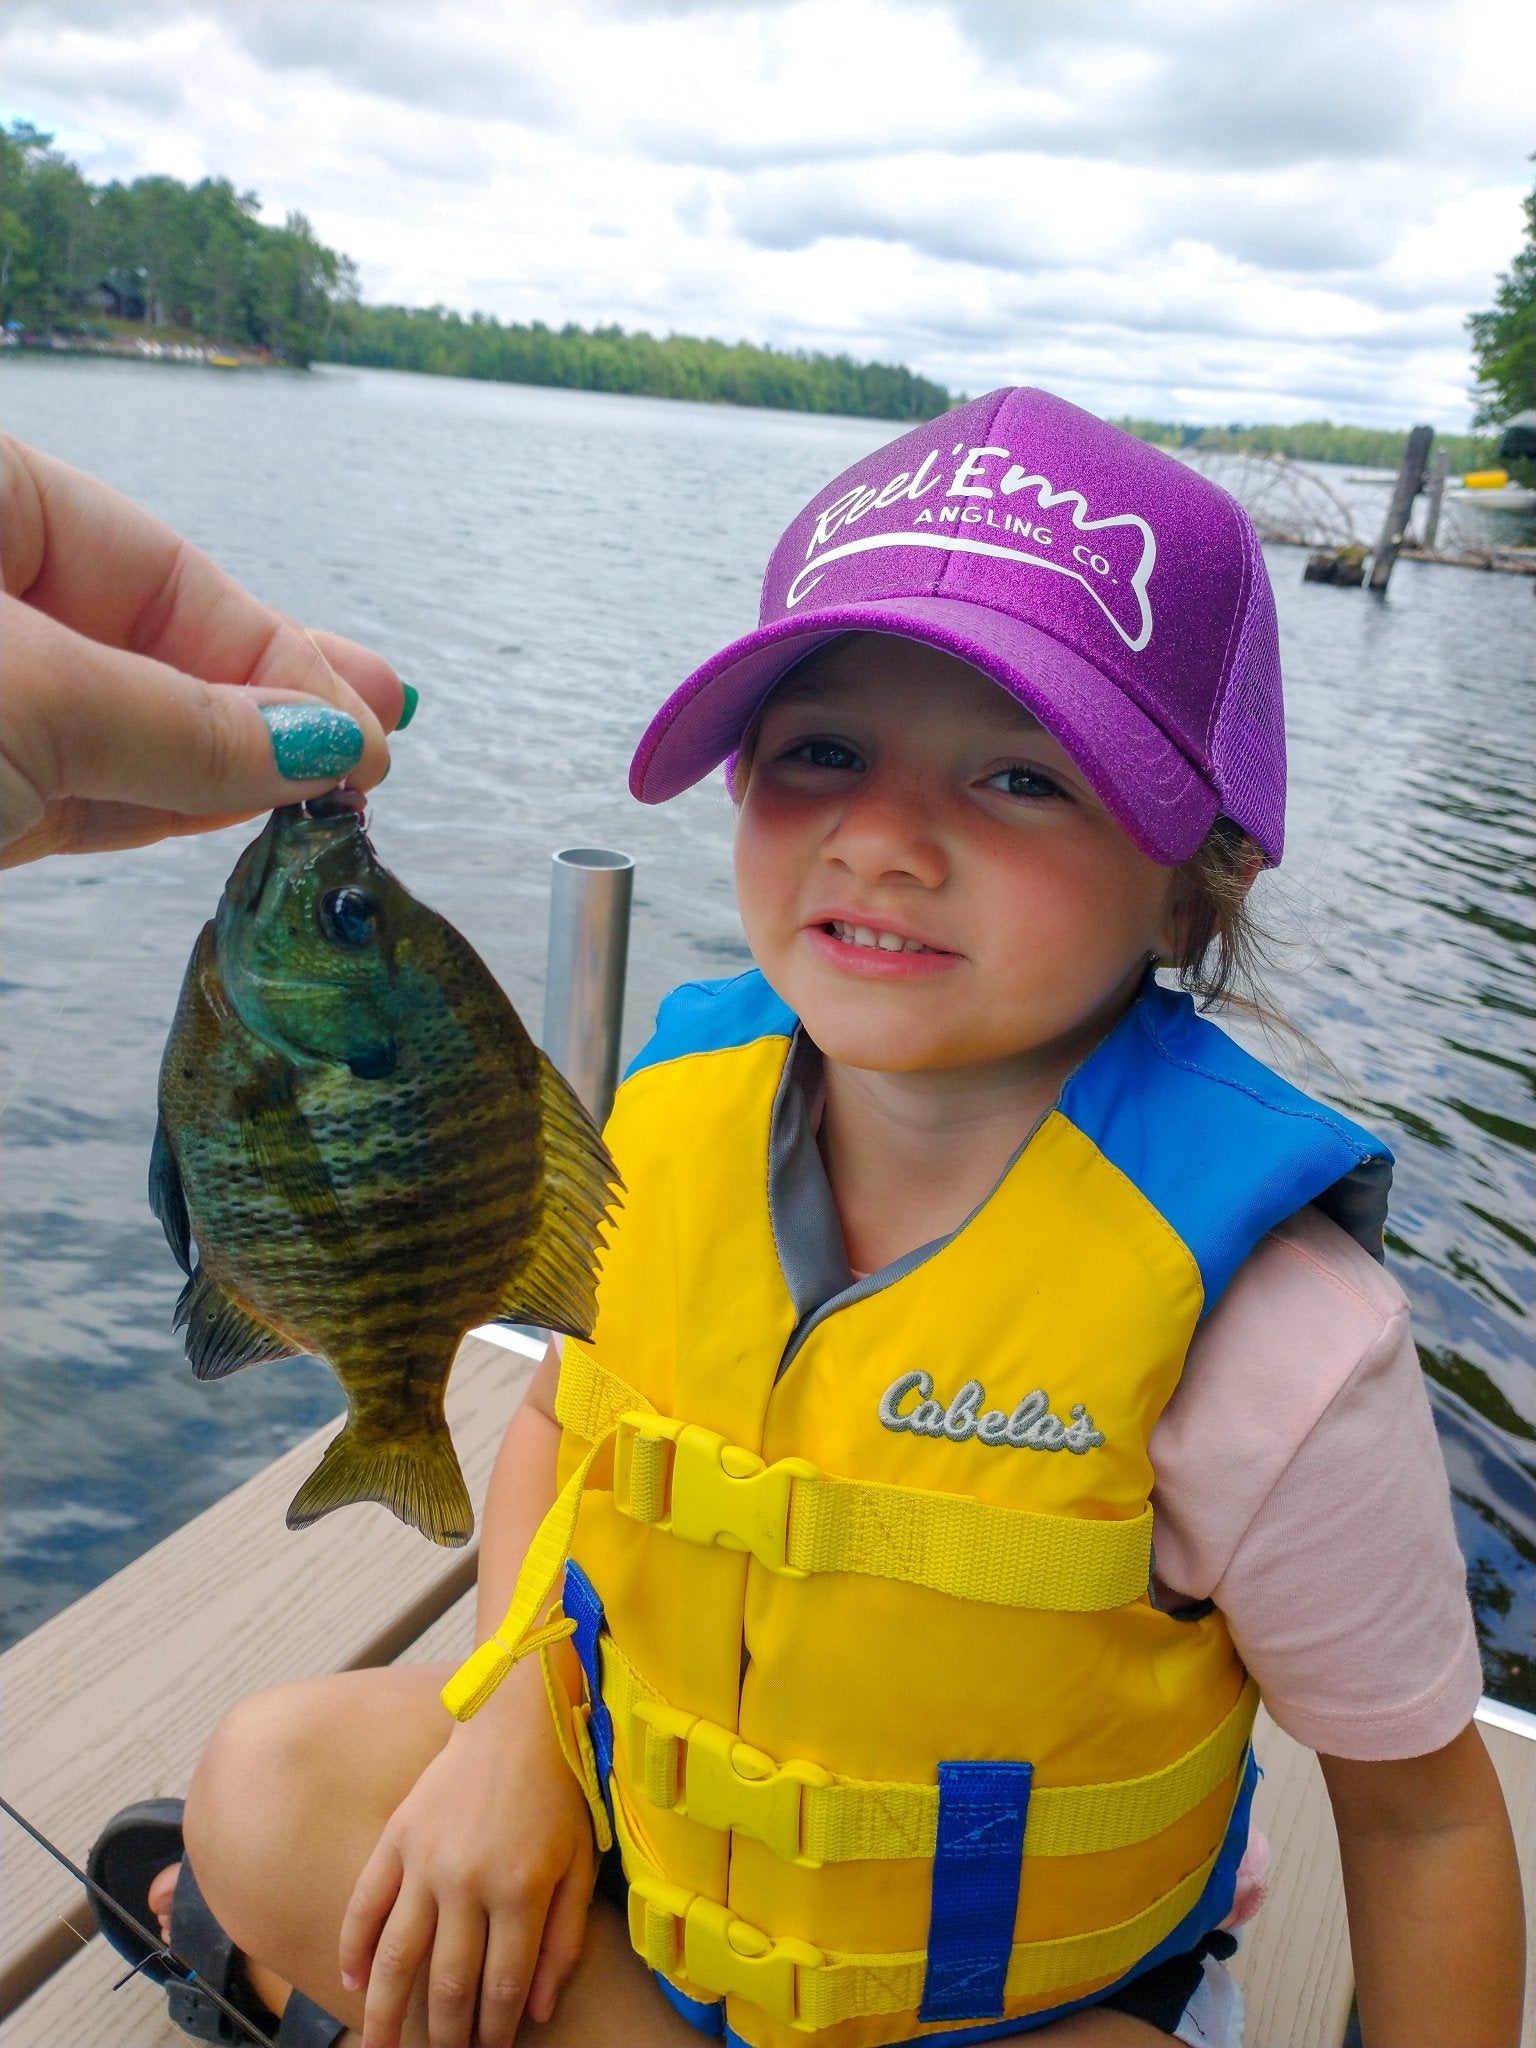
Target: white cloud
point(1193, 208)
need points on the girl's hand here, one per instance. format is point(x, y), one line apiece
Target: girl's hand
point(487, 1869)
point(119, 643)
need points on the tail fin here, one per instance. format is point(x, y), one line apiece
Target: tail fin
point(416, 1477)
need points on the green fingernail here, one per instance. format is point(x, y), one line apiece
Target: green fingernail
point(312, 740)
point(408, 709)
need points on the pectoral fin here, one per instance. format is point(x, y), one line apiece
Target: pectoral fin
point(167, 1199)
point(555, 1282)
point(222, 1336)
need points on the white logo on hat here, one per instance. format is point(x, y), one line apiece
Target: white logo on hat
point(1114, 569)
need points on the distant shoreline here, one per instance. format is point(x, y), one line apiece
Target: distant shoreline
point(147, 348)
point(1307, 440)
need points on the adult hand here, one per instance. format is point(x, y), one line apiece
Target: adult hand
point(118, 644)
point(484, 1874)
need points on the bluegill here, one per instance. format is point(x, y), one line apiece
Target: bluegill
point(371, 1154)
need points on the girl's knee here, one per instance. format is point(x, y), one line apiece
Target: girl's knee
point(254, 1781)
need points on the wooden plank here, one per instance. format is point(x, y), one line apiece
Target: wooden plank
point(451, 1636)
point(112, 1699)
point(1294, 1963)
point(76, 2006)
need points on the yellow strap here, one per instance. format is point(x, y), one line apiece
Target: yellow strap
point(687, 1936)
point(571, 1731)
point(476, 1679)
point(1009, 1556)
point(797, 1520)
point(589, 1403)
point(848, 1820)
point(589, 1399)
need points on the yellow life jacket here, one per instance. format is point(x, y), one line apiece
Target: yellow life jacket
point(894, 1740)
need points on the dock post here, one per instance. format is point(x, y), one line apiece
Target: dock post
point(1410, 481)
point(1434, 491)
point(589, 903)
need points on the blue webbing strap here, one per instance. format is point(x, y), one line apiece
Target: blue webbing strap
point(584, 1606)
point(977, 1863)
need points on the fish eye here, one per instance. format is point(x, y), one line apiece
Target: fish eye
point(348, 917)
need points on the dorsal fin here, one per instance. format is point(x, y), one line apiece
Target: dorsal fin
point(555, 1283)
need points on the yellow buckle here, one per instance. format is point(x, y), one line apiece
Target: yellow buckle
point(718, 1493)
point(725, 1783)
point(723, 1955)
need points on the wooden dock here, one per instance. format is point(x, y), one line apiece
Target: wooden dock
point(111, 1700)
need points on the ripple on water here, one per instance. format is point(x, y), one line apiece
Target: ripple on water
point(545, 567)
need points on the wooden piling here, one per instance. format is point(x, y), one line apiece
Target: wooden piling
point(1434, 491)
point(1410, 481)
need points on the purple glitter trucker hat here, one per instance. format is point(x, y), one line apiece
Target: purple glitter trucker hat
point(1116, 594)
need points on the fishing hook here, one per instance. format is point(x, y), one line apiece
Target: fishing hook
point(160, 1950)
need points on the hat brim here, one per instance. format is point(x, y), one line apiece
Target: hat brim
point(1145, 781)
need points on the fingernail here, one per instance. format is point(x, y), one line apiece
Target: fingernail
point(312, 740)
point(349, 1982)
point(408, 709)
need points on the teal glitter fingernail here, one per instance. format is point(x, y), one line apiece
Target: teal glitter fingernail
point(408, 708)
point(312, 740)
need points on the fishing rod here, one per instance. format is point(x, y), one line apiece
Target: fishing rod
point(159, 1951)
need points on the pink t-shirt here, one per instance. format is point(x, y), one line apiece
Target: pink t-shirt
point(1300, 1486)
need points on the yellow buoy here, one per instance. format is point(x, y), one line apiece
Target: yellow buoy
point(1485, 480)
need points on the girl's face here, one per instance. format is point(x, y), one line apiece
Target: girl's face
point(925, 877)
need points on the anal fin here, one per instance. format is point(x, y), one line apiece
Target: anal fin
point(555, 1281)
point(221, 1335)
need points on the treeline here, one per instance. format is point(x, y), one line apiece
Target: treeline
point(1315, 441)
point(643, 365)
point(91, 259)
point(193, 257)
point(1504, 343)
point(83, 259)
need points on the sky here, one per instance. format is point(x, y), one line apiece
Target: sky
point(1197, 210)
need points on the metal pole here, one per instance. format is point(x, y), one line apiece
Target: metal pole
point(589, 900)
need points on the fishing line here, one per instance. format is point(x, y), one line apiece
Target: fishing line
point(159, 1951)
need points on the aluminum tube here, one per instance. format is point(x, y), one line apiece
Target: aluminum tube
point(589, 901)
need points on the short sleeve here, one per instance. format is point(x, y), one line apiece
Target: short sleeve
point(1329, 1544)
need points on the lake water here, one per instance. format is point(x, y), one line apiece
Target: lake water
point(544, 566)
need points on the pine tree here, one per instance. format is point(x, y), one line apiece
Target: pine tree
point(1504, 337)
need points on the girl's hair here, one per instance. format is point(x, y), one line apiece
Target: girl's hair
point(1222, 948)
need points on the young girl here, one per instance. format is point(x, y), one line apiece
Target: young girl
point(960, 1260)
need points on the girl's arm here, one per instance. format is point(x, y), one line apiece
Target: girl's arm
point(1433, 1890)
point(484, 1871)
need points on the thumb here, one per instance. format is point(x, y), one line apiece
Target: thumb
point(85, 729)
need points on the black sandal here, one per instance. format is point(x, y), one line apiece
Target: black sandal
point(129, 1853)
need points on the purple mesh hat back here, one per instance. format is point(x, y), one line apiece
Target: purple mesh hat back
point(1119, 596)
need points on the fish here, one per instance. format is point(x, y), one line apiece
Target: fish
point(361, 1154)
